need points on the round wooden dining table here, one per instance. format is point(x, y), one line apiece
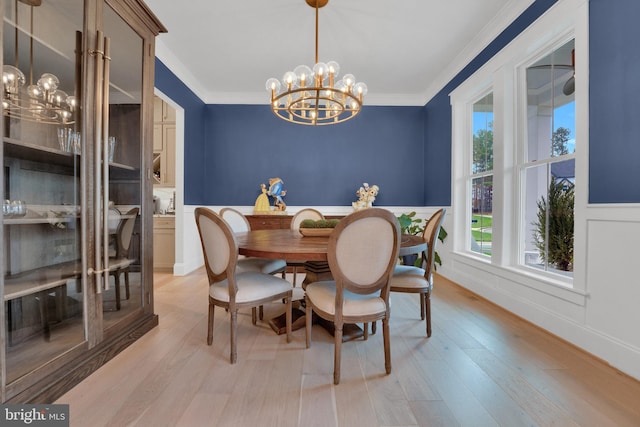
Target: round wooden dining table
point(290, 245)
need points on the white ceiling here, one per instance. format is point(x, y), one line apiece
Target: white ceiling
point(404, 50)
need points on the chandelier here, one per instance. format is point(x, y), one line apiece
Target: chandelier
point(313, 96)
point(41, 102)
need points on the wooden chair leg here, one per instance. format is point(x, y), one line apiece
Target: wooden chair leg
point(288, 317)
point(261, 312)
point(337, 333)
point(365, 328)
point(428, 312)
point(374, 327)
point(210, 329)
point(422, 308)
point(254, 316)
point(387, 345)
point(309, 315)
point(234, 328)
point(295, 274)
point(117, 285)
point(126, 284)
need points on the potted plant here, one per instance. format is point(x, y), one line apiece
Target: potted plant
point(409, 224)
point(553, 233)
point(318, 227)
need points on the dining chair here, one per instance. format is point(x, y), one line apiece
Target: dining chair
point(362, 252)
point(119, 262)
point(301, 215)
point(230, 288)
point(411, 279)
point(239, 224)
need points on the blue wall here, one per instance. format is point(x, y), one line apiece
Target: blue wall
point(320, 165)
point(231, 149)
point(195, 171)
point(614, 101)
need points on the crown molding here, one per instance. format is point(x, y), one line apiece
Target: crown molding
point(490, 31)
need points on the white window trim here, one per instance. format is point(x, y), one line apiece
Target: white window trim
point(567, 19)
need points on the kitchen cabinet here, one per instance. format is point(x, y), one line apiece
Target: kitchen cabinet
point(163, 112)
point(69, 87)
point(164, 144)
point(164, 242)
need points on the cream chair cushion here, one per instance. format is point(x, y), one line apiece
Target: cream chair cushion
point(407, 276)
point(251, 286)
point(323, 295)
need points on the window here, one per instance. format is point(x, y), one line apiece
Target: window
point(519, 161)
point(481, 176)
point(547, 166)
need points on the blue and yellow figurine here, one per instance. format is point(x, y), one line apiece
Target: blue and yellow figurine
point(277, 191)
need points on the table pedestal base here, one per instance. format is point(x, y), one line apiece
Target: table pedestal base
point(315, 271)
point(279, 324)
point(298, 321)
point(350, 331)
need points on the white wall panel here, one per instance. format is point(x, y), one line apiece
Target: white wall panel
point(613, 280)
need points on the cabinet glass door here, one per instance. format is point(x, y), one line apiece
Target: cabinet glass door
point(42, 148)
point(124, 296)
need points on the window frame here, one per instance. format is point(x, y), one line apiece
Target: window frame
point(477, 175)
point(522, 162)
point(503, 74)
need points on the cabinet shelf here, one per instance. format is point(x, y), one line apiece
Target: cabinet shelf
point(50, 220)
point(40, 280)
point(38, 153)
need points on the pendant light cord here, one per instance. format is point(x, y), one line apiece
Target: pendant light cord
point(317, 31)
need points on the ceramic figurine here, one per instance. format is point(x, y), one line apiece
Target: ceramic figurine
point(262, 202)
point(366, 196)
point(277, 191)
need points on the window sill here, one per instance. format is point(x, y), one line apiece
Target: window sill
point(548, 284)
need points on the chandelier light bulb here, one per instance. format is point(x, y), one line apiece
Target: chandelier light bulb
point(71, 101)
point(289, 79)
point(273, 85)
point(59, 97)
point(48, 82)
point(360, 89)
point(33, 91)
point(349, 80)
point(321, 71)
point(334, 68)
point(304, 75)
point(12, 79)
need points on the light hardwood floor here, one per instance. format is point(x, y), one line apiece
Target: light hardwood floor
point(482, 366)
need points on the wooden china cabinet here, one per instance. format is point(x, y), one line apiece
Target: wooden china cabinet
point(77, 128)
